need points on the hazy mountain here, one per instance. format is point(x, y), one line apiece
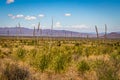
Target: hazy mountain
point(14, 31)
point(113, 35)
point(45, 32)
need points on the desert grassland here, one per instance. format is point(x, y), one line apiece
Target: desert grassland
point(59, 59)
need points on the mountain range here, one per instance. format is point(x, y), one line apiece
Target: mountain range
point(16, 31)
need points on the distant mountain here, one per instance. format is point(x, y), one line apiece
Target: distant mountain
point(14, 31)
point(113, 35)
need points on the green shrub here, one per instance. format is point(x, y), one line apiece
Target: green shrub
point(21, 53)
point(44, 62)
point(58, 43)
point(105, 70)
point(33, 53)
point(77, 44)
point(87, 52)
point(77, 52)
point(83, 67)
point(61, 62)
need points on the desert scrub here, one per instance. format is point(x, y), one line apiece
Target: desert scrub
point(33, 53)
point(58, 43)
point(115, 64)
point(87, 52)
point(105, 70)
point(6, 45)
point(83, 67)
point(76, 52)
point(61, 62)
point(1, 54)
point(21, 53)
point(13, 72)
point(77, 44)
point(44, 62)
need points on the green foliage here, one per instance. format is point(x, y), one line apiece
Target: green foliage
point(87, 52)
point(61, 55)
point(77, 44)
point(105, 71)
point(44, 62)
point(6, 45)
point(83, 67)
point(21, 53)
point(33, 53)
point(61, 62)
point(58, 43)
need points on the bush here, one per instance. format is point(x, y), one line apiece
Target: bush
point(87, 52)
point(13, 72)
point(77, 44)
point(21, 53)
point(33, 53)
point(83, 67)
point(44, 62)
point(61, 62)
point(105, 70)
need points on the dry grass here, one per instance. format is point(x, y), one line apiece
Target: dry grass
point(60, 62)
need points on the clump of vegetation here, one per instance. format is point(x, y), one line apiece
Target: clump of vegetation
point(61, 62)
point(58, 43)
point(53, 57)
point(106, 71)
point(33, 53)
point(44, 62)
point(77, 44)
point(21, 53)
point(13, 72)
point(1, 54)
point(83, 67)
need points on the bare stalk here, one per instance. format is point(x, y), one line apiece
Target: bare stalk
point(87, 36)
point(96, 31)
point(8, 32)
point(105, 31)
point(71, 34)
point(38, 32)
point(51, 35)
point(65, 35)
point(20, 29)
point(52, 27)
point(34, 36)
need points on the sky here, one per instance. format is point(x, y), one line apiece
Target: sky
point(73, 15)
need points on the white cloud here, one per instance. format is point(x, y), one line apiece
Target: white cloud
point(67, 14)
point(30, 17)
point(79, 26)
point(15, 16)
point(34, 25)
point(58, 24)
point(10, 15)
point(19, 16)
point(41, 15)
point(75, 27)
point(9, 1)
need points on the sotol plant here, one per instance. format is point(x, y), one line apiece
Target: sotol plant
point(21, 53)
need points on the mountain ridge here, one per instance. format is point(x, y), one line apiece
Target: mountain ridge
point(22, 31)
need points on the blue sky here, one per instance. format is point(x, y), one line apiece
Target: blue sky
point(76, 15)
